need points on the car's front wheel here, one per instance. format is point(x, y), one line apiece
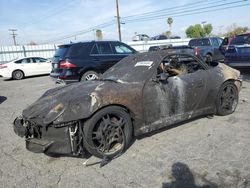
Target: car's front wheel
point(108, 132)
point(17, 75)
point(227, 99)
point(89, 75)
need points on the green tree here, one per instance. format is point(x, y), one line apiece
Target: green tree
point(170, 22)
point(98, 34)
point(235, 30)
point(195, 31)
point(208, 29)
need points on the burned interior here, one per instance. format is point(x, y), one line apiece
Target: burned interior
point(141, 93)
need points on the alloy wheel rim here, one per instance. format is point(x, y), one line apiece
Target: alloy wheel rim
point(91, 77)
point(18, 75)
point(108, 134)
point(228, 99)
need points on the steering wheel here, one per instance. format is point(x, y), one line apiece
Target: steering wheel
point(192, 66)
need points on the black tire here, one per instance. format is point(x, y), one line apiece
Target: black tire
point(108, 132)
point(89, 75)
point(208, 58)
point(227, 99)
point(18, 75)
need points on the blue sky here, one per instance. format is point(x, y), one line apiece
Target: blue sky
point(45, 21)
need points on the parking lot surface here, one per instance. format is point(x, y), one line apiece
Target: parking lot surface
point(208, 152)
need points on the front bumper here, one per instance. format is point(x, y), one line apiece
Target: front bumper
point(38, 145)
point(41, 139)
point(18, 127)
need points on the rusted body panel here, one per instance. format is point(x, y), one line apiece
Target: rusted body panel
point(80, 101)
point(131, 84)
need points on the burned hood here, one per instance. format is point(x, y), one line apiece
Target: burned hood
point(76, 101)
point(55, 102)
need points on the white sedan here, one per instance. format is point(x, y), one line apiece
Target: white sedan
point(22, 67)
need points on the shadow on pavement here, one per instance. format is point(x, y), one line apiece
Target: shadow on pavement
point(35, 76)
point(184, 178)
point(2, 99)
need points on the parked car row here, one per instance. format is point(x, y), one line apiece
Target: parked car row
point(84, 61)
point(207, 48)
point(233, 51)
point(72, 62)
point(143, 37)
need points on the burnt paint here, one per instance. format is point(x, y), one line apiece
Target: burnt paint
point(151, 104)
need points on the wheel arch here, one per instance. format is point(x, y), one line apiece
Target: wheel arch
point(228, 81)
point(130, 112)
point(236, 82)
point(209, 53)
point(83, 71)
point(18, 70)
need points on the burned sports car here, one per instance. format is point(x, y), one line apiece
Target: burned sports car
point(141, 93)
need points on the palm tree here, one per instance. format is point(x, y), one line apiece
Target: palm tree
point(170, 21)
point(98, 34)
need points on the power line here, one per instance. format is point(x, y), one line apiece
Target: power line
point(90, 29)
point(186, 6)
point(51, 12)
point(177, 13)
point(181, 12)
point(189, 14)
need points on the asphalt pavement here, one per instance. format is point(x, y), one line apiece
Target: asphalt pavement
point(208, 152)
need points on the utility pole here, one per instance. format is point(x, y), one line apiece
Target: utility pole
point(13, 35)
point(118, 20)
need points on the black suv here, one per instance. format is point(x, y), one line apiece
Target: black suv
point(84, 61)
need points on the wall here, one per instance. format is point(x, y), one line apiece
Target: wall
point(8, 53)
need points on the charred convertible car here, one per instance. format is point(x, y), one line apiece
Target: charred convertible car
point(132, 98)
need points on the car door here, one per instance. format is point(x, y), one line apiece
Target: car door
point(102, 56)
point(43, 65)
point(28, 66)
point(178, 97)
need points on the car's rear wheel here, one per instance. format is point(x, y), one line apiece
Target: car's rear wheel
point(17, 75)
point(89, 75)
point(227, 99)
point(108, 132)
